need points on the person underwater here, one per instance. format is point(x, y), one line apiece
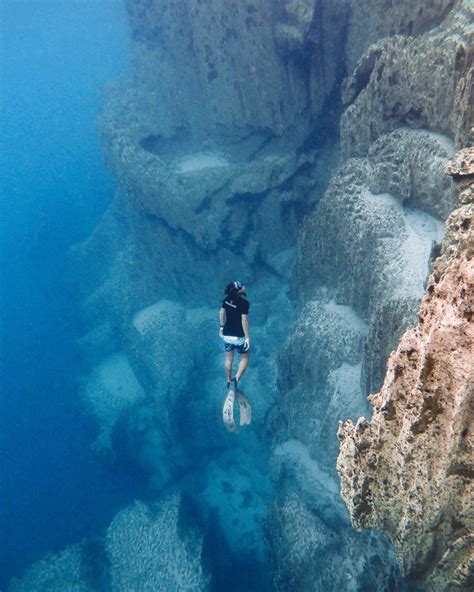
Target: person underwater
point(234, 330)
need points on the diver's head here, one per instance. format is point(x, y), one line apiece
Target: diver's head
point(235, 288)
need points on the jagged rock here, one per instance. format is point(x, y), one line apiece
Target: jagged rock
point(367, 229)
point(366, 246)
point(461, 169)
point(372, 20)
point(409, 164)
point(370, 252)
point(408, 472)
point(211, 141)
point(462, 164)
point(392, 92)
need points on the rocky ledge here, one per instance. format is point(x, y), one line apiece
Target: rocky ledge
point(409, 471)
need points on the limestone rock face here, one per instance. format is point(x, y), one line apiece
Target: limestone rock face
point(408, 472)
point(461, 169)
point(213, 64)
point(409, 164)
point(222, 141)
point(332, 337)
point(373, 20)
point(147, 551)
point(309, 551)
point(389, 90)
point(367, 249)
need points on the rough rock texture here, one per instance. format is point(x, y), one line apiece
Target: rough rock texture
point(409, 164)
point(367, 249)
point(372, 20)
point(362, 289)
point(409, 471)
point(312, 552)
point(310, 543)
point(147, 551)
point(316, 385)
point(389, 85)
point(145, 548)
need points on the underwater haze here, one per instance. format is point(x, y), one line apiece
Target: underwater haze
point(56, 57)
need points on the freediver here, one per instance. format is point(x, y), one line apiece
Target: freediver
point(234, 330)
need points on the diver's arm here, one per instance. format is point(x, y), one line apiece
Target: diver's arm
point(245, 327)
point(222, 320)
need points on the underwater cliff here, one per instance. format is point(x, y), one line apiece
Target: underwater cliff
point(301, 146)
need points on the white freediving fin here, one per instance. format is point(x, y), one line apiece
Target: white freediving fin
point(228, 411)
point(245, 409)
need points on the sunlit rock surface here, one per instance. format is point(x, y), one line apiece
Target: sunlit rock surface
point(409, 471)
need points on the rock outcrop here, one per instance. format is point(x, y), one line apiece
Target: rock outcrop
point(409, 471)
point(143, 549)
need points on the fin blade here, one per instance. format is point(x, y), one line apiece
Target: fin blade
point(245, 409)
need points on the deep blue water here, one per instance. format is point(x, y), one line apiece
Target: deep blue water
point(55, 58)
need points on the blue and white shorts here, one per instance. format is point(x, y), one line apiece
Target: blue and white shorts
point(233, 343)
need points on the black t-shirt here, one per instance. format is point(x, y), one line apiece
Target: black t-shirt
point(234, 309)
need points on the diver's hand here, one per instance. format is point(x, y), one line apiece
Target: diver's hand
point(221, 332)
point(246, 344)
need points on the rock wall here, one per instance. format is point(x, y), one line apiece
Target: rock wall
point(408, 472)
point(361, 270)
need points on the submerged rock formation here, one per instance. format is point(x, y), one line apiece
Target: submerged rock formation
point(299, 146)
point(207, 142)
point(364, 256)
point(409, 471)
point(143, 549)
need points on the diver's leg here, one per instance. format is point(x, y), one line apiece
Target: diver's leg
point(243, 363)
point(229, 358)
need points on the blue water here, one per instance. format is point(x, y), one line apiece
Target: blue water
point(56, 56)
